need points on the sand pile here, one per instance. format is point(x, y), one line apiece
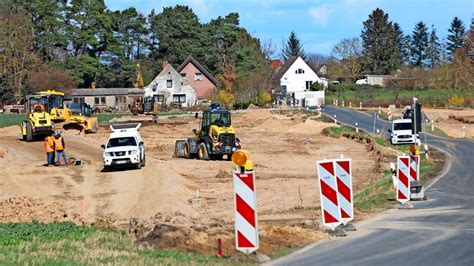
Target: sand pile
point(26, 209)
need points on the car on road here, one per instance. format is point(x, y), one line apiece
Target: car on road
point(124, 148)
point(401, 132)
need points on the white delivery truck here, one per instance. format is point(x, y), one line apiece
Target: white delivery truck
point(401, 132)
point(124, 147)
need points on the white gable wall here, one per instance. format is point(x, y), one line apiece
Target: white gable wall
point(297, 82)
point(179, 86)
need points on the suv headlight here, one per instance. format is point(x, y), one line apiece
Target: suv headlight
point(108, 153)
point(133, 152)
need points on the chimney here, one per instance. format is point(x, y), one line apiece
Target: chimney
point(165, 63)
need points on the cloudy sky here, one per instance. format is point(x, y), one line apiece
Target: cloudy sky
point(318, 23)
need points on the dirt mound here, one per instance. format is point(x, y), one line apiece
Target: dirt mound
point(252, 106)
point(26, 209)
point(200, 234)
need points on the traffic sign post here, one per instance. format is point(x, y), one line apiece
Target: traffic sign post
point(415, 168)
point(246, 221)
point(330, 210)
point(403, 181)
point(343, 168)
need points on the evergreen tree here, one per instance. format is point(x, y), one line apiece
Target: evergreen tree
point(434, 48)
point(293, 47)
point(403, 44)
point(419, 44)
point(455, 36)
point(443, 51)
point(378, 43)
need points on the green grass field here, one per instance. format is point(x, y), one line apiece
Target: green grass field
point(7, 120)
point(68, 244)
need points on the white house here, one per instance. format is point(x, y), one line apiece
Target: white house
point(170, 88)
point(293, 82)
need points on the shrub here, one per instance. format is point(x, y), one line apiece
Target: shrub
point(456, 101)
point(263, 98)
point(225, 98)
point(316, 87)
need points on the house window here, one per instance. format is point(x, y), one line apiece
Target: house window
point(197, 76)
point(78, 100)
point(299, 71)
point(179, 98)
point(99, 100)
point(308, 85)
point(159, 98)
point(183, 75)
point(169, 83)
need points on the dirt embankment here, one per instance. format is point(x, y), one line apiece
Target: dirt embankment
point(188, 204)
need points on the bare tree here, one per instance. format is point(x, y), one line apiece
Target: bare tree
point(317, 60)
point(16, 40)
point(268, 48)
point(349, 52)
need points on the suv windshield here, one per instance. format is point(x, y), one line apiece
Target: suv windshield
point(118, 142)
point(402, 126)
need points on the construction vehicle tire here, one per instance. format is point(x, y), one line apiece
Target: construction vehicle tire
point(202, 152)
point(29, 132)
point(186, 153)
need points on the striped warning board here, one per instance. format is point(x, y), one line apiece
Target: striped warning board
point(344, 188)
point(414, 167)
point(403, 179)
point(246, 222)
point(331, 213)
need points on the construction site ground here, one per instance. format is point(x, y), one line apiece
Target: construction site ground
point(178, 203)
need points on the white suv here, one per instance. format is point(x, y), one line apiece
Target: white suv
point(124, 147)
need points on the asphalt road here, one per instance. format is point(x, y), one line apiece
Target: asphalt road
point(439, 231)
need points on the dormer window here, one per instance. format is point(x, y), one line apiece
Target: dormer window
point(299, 71)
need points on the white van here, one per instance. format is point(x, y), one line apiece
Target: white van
point(124, 147)
point(401, 132)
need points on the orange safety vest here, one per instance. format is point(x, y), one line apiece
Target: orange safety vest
point(58, 144)
point(48, 145)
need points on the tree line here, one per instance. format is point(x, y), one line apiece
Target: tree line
point(60, 44)
point(383, 48)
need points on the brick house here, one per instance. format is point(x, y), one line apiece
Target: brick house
point(199, 78)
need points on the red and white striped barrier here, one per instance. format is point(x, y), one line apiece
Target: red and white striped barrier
point(344, 189)
point(403, 179)
point(331, 213)
point(414, 167)
point(246, 222)
point(389, 114)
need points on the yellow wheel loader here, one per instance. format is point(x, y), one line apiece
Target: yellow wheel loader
point(215, 140)
point(38, 121)
point(79, 117)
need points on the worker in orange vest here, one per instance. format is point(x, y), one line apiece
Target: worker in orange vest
point(59, 147)
point(38, 107)
point(49, 149)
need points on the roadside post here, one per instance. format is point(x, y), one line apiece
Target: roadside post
point(417, 191)
point(343, 169)
point(350, 105)
point(464, 131)
point(403, 182)
point(245, 199)
point(335, 120)
point(432, 125)
point(343, 105)
point(360, 105)
point(357, 127)
point(330, 210)
point(393, 169)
